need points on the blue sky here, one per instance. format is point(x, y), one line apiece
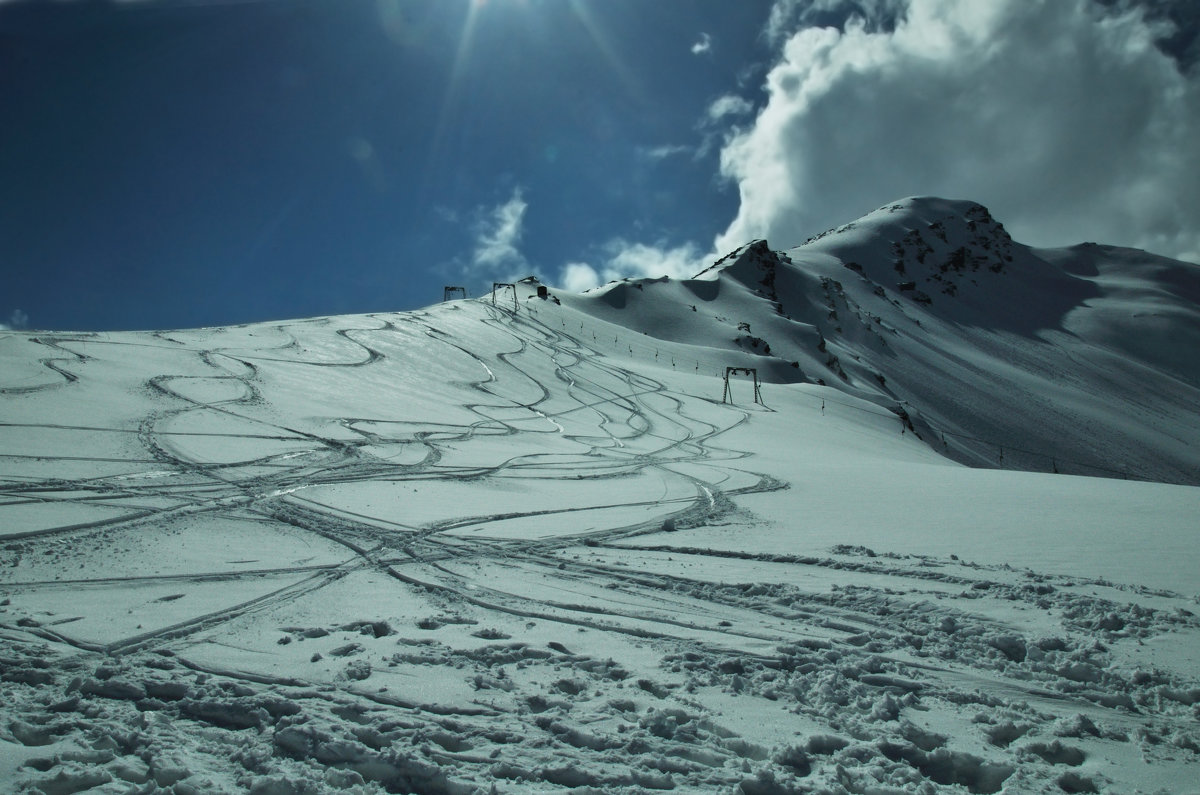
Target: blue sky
point(178, 163)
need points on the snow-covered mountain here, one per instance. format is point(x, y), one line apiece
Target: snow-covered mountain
point(1082, 360)
point(540, 544)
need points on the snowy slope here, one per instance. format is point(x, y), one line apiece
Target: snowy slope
point(1080, 360)
point(525, 547)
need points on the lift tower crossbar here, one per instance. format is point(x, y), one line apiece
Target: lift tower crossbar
point(750, 371)
point(498, 286)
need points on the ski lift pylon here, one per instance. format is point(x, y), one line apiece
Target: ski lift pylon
point(750, 371)
point(498, 286)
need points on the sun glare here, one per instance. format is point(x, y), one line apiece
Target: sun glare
point(477, 12)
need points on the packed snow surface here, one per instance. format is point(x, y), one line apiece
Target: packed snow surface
point(522, 545)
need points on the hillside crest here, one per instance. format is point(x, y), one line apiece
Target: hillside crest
point(929, 307)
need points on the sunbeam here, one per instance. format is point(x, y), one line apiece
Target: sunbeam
point(453, 91)
point(599, 36)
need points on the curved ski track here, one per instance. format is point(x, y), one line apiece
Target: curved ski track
point(850, 660)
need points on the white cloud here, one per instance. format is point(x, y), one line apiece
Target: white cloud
point(447, 214)
point(789, 15)
point(639, 259)
point(622, 259)
point(499, 233)
point(665, 151)
point(578, 276)
point(728, 105)
point(1061, 116)
point(17, 320)
point(703, 45)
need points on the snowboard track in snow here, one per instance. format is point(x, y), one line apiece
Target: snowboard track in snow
point(224, 692)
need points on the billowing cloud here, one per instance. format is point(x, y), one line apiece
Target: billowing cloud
point(578, 276)
point(787, 16)
point(639, 259)
point(622, 259)
point(499, 233)
point(703, 45)
point(1063, 116)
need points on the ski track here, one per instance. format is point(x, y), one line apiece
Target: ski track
point(841, 677)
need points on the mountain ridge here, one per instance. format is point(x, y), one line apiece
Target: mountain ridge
point(929, 307)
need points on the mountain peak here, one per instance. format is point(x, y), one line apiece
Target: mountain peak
point(754, 251)
point(927, 306)
point(921, 245)
point(927, 242)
